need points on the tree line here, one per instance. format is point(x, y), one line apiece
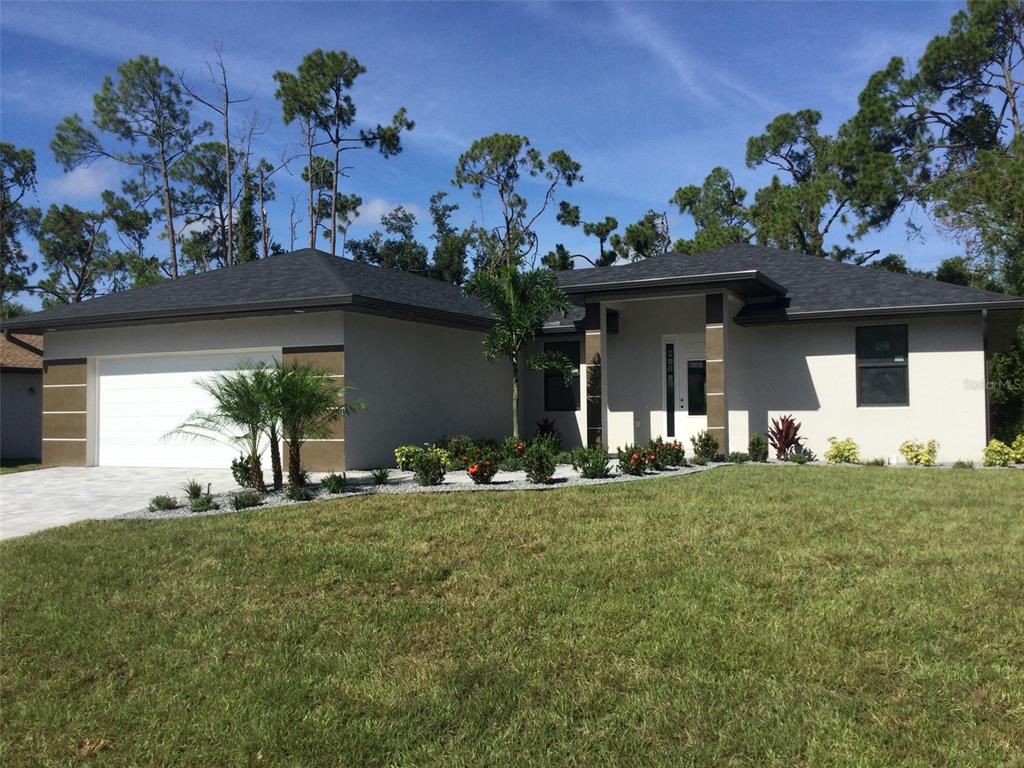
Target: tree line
point(944, 136)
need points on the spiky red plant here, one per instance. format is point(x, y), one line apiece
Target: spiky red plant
point(784, 435)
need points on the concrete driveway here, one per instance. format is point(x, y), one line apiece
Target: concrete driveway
point(45, 498)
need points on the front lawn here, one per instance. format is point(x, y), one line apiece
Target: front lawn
point(743, 616)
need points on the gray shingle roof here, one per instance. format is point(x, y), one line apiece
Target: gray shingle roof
point(814, 287)
point(312, 279)
point(302, 279)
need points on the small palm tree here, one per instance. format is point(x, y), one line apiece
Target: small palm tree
point(308, 401)
point(520, 302)
point(239, 417)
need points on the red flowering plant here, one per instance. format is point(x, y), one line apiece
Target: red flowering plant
point(633, 459)
point(481, 466)
point(662, 455)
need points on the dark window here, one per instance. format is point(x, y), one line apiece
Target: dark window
point(670, 390)
point(696, 387)
point(558, 396)
point(882, 365)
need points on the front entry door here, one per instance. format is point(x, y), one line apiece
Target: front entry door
point(683, 401)
point(672, 401)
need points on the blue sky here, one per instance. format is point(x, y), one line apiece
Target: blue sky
point(648, 97)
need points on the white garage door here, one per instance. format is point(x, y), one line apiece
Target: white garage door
point(141, 399)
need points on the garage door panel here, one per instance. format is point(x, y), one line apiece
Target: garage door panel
point(143, 399)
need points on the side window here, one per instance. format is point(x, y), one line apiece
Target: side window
point(696, 387)
point(558, 396)
point(882, 365)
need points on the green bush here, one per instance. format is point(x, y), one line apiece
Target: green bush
point(458, 451)
point(512, 452)
point(242, 471)
point(1018, 449)
point(662, 455)
point(591, 463)
point(997, 454)
point(920, 454)
point(963, 465)
point(298, 492)
point(335, 483)
point(842, 451)
point(192, 489)
point(204, 501)
point(738, 457)
point(245, 500)
point(380, 476)
point(800, 454)
point(632, 459)
point(428, 468)
point(163, 503)
point(539, 462)
point(482, 468)
point(758, 448)
point(874, 463)
point(699, 461)
point(548, 429)
point(705, 446)
point(404, 455)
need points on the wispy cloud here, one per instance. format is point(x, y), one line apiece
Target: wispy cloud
point(83, 183)
point(371, 210)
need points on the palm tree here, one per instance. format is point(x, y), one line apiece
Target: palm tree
point(520, 302)
point(308, 401)
point(239, 417)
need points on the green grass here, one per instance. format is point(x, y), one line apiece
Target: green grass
point(9, 468)
point(745, 616)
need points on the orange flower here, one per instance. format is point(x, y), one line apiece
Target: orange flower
point(634, 457)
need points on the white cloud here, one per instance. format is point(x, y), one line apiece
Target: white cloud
point(371, 210)
point(84, 183)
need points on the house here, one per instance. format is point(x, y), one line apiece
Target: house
point(722, 341)
point(21, 397)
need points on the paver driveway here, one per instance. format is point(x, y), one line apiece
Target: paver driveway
point(45, 498)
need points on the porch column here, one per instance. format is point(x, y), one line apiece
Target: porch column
point(714, 352)
point(326, 454)
point(65, 413)
point(594, 331)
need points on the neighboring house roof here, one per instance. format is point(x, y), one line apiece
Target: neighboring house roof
point(780, 286)
point(302, 280)
point(805, 287)
point(21, 353)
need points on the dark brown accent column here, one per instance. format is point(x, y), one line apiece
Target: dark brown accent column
point(64, 413)
point(328, 454)
point(714, 352)
point(592, 367)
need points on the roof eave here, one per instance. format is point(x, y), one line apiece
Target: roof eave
point(894, 311)
point(752, 277)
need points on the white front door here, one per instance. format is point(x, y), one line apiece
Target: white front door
point(684, 404)
point(143, 399)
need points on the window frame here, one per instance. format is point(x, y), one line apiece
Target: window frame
point(861, 365)
point(574, 389)
point(689, 399)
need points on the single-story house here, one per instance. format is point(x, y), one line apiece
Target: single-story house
point(722, 341)
point(21, 397)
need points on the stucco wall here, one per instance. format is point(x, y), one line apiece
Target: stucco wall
point(21, 415)
point(634, 379)
point(572, 424)
point(419, 382)
point(809, 370)
point(308, 329)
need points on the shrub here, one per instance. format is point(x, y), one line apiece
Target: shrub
point(242, 470)
point(784, 435)
point(547, 428)
point(380, 476)
point(192, 489)
point(591, 463)
point(482, 470)
point(662, 455)
point(335, 483)
point(699, 461)
point(300, 477)
point(705, 446)
point(997, 454)
point(674, 454)
point(799, 454)
point(875, 463)
point(539, 462)
point(758, 448)
point(920, 454)
point(163, 503)
point(245, 500)
point(842, 451)
point(298, 492)
point(404, 455)
point(428, 468)
point(1018, 449)
point(632, 459)
point(204, 501)
point(512, 451)
point(457, 451)
point(963, 465)
point(738, 457)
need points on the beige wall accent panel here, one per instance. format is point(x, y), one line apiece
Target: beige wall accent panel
point(64, 413)
point(715, 353)
point(592, 343)
point(326, 455)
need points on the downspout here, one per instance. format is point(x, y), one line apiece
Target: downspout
point(985, 370)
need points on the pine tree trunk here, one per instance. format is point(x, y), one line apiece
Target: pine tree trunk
point(334, 200)
point(228, 174)
point(169, 213)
